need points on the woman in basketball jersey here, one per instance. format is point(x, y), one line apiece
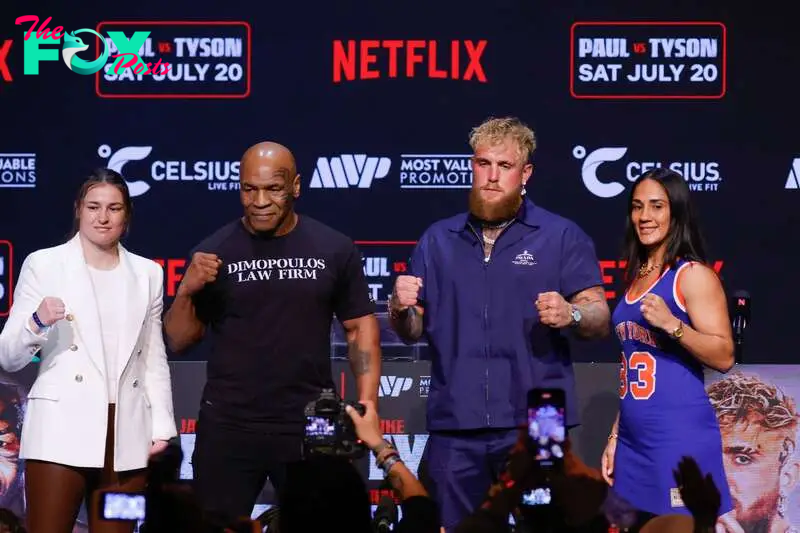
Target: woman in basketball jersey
point(672, 321)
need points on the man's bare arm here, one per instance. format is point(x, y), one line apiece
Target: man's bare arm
point(364, 352)
point(408, 323)
point(182, 327)
point(595, 320)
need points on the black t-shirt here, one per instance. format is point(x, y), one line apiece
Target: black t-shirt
point(269, 316)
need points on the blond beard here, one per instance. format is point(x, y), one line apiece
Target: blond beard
point(498, 211)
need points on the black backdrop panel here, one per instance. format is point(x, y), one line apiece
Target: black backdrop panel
point(377, 101)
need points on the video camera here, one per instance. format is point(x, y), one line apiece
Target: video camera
point(329, 429)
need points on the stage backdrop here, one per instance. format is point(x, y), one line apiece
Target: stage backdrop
point(377, 101)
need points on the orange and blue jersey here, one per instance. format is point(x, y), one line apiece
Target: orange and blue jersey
point(665, 413)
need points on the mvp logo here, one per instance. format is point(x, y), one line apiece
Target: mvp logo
point(349, 171)
point(392, 386)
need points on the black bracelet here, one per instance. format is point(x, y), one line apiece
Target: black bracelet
point(38, 322)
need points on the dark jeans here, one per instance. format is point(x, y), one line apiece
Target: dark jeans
point(232, 465)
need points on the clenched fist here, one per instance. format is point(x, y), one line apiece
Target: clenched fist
point(406, 292)
point(51, 310)
point(554, 310)
point(654, 309)
point(202, 270)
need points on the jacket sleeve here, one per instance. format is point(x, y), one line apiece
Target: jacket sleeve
point(18, 343)
point(158, 384)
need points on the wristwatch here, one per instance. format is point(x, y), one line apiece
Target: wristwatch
point(576, 316)
point(677, 333)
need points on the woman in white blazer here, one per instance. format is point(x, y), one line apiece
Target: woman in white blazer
point(102, 401)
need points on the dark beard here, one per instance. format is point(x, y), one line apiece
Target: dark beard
point(500, 211)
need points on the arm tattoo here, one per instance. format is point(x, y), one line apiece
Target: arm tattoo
point(409, 325)
point(414, 323)
point(359, 359)
point(595, 315)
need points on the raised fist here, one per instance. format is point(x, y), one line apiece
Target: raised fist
point(51, 310)
point(202, 270)
point(406, 292)
point(554, 310)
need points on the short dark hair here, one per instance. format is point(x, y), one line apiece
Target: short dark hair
point(98, 177)
point(684, 240)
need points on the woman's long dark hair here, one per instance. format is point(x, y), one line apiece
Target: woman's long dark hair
point(683, 241)
point(100, 176)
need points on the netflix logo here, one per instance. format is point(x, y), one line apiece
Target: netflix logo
point(374, 59)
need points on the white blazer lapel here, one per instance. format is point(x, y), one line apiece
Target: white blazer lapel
point(81, 305)
point(135, 295)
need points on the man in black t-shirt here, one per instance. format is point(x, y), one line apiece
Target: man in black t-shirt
point(265, 289)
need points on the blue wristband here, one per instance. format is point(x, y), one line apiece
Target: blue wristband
point(38, 322)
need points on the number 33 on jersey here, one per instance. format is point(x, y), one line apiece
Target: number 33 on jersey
point(642, 367)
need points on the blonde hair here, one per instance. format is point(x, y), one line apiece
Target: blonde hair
point(745, 398)
point(496, 130)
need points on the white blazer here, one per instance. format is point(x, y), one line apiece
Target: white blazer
point(67, 411)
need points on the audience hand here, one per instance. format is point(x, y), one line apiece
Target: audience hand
point(727, 523)
point(368, 427)
point(700, 495)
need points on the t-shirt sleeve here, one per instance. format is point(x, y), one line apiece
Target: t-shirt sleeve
point(418, 265)
point(580, 268)
point(352, 299)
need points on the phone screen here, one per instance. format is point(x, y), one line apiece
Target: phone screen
point(546, 426)
point(122, 506)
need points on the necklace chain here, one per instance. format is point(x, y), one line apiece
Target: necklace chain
point(495, 227)
point(644, 270)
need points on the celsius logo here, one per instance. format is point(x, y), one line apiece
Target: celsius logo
point(700, 175)
point(219, 175)
point(118, 159)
